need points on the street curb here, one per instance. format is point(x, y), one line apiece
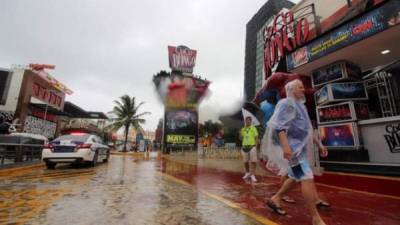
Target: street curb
point(4, 171)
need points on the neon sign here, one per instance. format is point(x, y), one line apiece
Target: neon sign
point(285, 34)
point(182, 58)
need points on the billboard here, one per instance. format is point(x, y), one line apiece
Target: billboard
point(181, 58)
point(181, 127)
point(336, 92)
point(286, 31)
point(342, 91)
point(342, 112)
point(343, 135)
point(337, 71)
point(356, 30)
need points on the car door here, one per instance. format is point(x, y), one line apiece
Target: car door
point(91, 140)
point(102, 148)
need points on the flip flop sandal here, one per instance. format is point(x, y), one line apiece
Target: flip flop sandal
point(277, 209)
point(288, 200)
point(322, 204)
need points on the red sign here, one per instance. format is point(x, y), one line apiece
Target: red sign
point(41, 115)
point(285, 34)
point(47, 96)
point(182, 58)
point(36, 66)
point(363, 27)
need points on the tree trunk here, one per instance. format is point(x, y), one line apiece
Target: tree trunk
point(126, 137)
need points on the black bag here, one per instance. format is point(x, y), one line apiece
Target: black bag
point(247, 149)
point(297, 171)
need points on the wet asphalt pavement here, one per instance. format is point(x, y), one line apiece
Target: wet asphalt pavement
point(172, 190)
point(127, 190)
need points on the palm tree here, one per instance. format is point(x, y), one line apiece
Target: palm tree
point(127, 115)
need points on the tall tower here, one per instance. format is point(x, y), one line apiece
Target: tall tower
point(181, 92)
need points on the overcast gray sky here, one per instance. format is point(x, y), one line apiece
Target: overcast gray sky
point(104, 49)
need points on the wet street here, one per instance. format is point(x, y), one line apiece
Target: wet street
point(134, 189)
point(127, 190)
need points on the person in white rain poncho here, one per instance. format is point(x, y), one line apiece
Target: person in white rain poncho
point(286, 145)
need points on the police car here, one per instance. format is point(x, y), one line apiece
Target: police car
point(75, 148)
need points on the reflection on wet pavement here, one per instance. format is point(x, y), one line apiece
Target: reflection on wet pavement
point(124, 191)
point(348, 207)
point(24, 196)
point(133, 189)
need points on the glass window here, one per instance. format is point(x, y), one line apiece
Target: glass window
point(80, 138)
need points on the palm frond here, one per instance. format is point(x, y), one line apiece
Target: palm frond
point(126, 113)
point(138, 106)
point(141, 114)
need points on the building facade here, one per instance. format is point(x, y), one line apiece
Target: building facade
point(253, 68)
point(32, 101)
point(352, 57)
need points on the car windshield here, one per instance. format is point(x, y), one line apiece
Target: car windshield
point(80, 138)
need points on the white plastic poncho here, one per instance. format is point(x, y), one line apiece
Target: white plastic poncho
point(291, 115)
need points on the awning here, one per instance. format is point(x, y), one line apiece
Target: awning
point(74, 110)
point(369, 40)
point(77, 112)
point(70, 110)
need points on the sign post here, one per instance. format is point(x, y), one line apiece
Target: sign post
point(181, 93)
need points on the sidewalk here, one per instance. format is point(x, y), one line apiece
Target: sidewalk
point(223, 178)
point(20, 166)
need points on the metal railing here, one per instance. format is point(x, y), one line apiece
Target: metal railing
point(235, 153)
point(11, 153)
point(209, 152)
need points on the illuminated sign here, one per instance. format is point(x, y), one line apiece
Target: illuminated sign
point(344, 135)
point(180, 127)
point(371, 23)
point(340, 70)
point(337, 92)
point(181, 139)
point(286, 34)
point(182, 58)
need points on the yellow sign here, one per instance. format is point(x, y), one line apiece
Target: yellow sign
point(181, 139)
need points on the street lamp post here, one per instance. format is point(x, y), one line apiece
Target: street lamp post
point(45, 112)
